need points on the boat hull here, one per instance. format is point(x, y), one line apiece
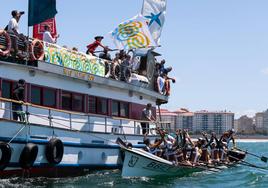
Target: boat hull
point(138, 163)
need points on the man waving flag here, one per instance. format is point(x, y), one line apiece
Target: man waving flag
point(154, 11)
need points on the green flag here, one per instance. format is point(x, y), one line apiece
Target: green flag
point(41, 10)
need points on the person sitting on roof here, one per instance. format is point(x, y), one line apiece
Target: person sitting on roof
point(47, 37)
point(91, 48)
point(105, 55)
point(13, 28)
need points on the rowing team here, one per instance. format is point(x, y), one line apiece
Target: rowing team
point(181, 148)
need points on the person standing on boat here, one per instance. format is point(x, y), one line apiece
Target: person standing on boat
point(47, 37)
point(18, 95)
point(91, 48)
point(148, 116)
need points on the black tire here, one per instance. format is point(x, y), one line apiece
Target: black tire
point(6, 155)
point(28, 155)
point(54, 151)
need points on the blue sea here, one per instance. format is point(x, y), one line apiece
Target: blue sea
point(240, 176)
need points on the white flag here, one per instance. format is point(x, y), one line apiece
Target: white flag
point(154, 11)
point(133, 34)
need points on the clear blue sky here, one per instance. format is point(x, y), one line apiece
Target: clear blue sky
point(218, 49)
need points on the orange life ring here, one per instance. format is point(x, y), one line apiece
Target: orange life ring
point(36, 55)
point(8, 43)
point(167, 87)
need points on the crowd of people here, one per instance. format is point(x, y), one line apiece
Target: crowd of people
point(181, 149)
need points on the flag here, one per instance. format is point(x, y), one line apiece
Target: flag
point(38, 29)
point(133, 34)
point(154, 11)
point(39, 11)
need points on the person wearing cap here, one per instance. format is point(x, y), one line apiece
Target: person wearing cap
point(13, 28)
point(18, 95)
point(148, 116)
point(227, 137)
point(47, 37)
point(91, 48)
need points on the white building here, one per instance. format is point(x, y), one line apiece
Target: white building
point(184, 119)
point(213, 121)
point(261, 121)
point(168, 119)
point(245, 125)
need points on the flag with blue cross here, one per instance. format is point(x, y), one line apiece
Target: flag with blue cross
point(154, 11)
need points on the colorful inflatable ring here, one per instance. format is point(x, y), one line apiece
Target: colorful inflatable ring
point(8, 42)
point(39, 54)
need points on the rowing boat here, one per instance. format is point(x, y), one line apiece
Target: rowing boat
point(140, 163)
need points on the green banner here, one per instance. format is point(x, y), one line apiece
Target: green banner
point(57, 55)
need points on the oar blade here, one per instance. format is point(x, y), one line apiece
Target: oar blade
point(264, 159)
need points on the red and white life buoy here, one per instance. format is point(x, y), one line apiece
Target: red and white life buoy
point(36, 50)
point(8, 43)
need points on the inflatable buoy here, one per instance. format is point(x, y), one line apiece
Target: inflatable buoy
point(5, 155)
point(54, 151)
point(8, 43)
point(28, 155)
point(36, 50)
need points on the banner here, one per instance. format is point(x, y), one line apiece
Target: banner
point(154, 11)
point(79, 61)
point(39, 11)
point(133, 34)
point(38, 29)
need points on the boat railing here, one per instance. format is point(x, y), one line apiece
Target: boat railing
point(45, 116)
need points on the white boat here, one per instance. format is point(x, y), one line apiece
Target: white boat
point(72, 108)
point(139, 163)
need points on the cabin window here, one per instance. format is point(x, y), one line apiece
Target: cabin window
point(91, 104)
point(124, 109)
point(72, 101)
point(102, 105)
point(49, 97)
point(77, 102)
point(115, 108)
point(36, 95)
point(7, 89)
point(43, 96)
point(66, 100)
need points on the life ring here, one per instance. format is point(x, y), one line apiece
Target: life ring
point(36, 50)
point(28, 155)
point(8, 43)
point(6, 155)
point(167, 87)
point(54, 151)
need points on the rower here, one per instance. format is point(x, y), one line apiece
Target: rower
point(228, 136)
point(152, 148)
point(196, 150)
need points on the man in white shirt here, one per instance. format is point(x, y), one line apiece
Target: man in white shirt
point(47, 37)
point(13, 29)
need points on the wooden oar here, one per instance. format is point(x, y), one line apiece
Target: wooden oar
point(247, 163)
point(263, 158)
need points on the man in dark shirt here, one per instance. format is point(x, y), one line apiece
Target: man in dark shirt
point(105, 55)
point(18, 95)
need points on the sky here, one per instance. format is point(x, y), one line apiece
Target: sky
point(217, 48)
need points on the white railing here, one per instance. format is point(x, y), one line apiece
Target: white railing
point(73, 121)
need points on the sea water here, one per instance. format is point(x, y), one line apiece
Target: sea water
point(239, 176)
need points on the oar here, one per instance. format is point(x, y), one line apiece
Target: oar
point(248, 164)
point(263, 158)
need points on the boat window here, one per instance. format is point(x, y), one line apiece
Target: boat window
point(6, 89)
point(49, 97)
point(124, 109)
point(91, 104)
point(66, 100)
point(115, 108)
point(102, 106)
point(36, 95)
point(77, 102)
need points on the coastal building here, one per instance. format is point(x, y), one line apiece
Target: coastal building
point(213, 121)
point(168, 119)
point(184, 119)
point(261, 121)
point(245, 125)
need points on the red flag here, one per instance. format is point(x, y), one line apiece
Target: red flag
point(39, 28)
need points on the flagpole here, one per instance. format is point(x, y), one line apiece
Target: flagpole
point(142, 7)
point(28, 33)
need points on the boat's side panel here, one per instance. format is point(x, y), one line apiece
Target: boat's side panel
point(137, 165)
